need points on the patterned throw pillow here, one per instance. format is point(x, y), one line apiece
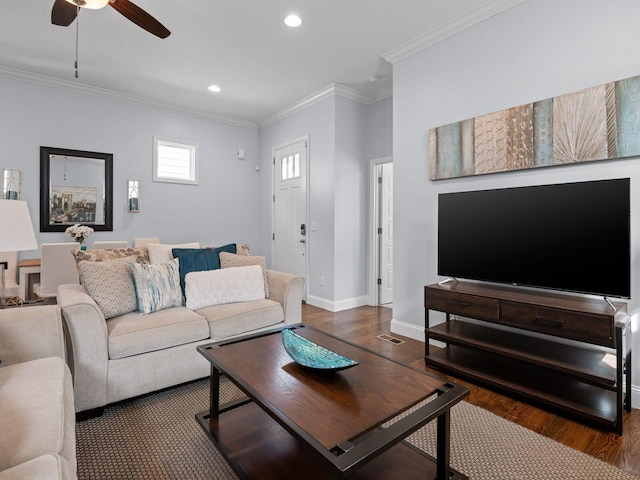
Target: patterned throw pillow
point(101, 254)
point(157, 286)
point(228, 260)
point(110, 284)
point(141, 255)
point(161, 252)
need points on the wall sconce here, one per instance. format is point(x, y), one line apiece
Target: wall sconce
point(11, 184)
point(133, 195)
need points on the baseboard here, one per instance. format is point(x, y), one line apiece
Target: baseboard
point(635, 396)
point(407, 330)
point(336, 306)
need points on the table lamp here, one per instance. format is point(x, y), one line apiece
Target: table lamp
point(16, 233)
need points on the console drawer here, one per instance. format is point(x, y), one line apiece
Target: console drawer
point(461, 304)
point(561, 323)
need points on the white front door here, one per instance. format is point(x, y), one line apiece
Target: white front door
point(386, 233)
point(290, 229)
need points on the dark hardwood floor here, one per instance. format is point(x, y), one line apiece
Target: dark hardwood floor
point(362, 325)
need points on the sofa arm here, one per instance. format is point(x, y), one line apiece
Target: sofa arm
point(287, 289)
point(30, 333)
point(87, 345)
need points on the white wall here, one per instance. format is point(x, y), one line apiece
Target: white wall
point(343, 136)
point(379, 129)
point(536, 50)
point(215, 212)
point(351, 206)
point(318, 122)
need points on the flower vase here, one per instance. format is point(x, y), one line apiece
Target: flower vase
point(83, 247)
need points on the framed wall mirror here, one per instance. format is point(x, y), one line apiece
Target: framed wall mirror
point(75, 187)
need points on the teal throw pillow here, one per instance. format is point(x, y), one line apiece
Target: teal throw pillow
point(199, 259)
point(157, 286)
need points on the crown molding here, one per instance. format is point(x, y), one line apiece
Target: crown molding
point(299, 106)
point(481, 13)
point(381, 95)
point(76, 87)
point(335, 89)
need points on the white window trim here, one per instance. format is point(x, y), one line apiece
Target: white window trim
point(193, 167)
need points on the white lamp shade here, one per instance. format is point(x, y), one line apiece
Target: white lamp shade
point(16, 229)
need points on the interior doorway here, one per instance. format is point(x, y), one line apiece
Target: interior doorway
point(289, 239)
point(381, 232)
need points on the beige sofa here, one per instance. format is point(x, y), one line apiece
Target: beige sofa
point(37, 438)
point(132, 354)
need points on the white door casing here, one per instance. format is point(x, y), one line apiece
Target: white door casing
point(290, 226)
point(373, 261)
point(386, 234)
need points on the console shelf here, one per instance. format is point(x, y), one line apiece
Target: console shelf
point(566, 353)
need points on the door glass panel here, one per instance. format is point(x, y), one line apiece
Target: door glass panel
point(290, 167)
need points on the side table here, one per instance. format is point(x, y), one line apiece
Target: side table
point(26, 268)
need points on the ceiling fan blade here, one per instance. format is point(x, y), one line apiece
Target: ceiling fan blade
point(139, 17)
point(63, 13)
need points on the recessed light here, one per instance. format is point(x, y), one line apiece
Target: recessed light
point(214, 88)
point(293, 20)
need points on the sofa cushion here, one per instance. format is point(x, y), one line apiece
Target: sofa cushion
point(228, 260)
point(162, 252)
point(238, 318)
point(133, 334)
point(46, 467)
point(36, 407)
point(110, 284)
point(199, 259)
point(229, 285)
point(157, 286)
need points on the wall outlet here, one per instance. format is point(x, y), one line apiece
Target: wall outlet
point(322, 281)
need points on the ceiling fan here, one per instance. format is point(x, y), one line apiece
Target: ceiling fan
point(64, 12)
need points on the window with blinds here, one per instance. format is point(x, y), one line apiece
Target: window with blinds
point(175, 162)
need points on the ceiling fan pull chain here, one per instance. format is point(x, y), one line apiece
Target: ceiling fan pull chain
point(77, 37)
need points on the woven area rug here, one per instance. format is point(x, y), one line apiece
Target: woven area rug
point(158, 437)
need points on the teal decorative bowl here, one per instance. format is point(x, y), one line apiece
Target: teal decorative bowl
point(311, 355)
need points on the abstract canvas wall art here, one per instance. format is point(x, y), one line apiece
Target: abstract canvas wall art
point(598, 123)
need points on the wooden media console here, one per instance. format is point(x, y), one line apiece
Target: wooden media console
point(568, 353)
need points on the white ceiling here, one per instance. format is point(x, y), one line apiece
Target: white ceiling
point(262, 66)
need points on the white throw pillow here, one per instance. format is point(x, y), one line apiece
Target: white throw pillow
point(230, 260)
point(161, 252)
point(225, 285)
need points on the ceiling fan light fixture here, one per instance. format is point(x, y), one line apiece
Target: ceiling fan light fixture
point(92, 4)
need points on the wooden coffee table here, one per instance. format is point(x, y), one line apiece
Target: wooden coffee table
point(297, 423)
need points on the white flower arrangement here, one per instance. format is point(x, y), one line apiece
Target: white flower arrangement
point(79, 232)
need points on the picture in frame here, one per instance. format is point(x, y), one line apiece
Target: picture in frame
point(597, 123)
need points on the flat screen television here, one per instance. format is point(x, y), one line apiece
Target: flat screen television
point(573, 236)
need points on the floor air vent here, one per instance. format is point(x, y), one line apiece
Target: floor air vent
point(390, 339)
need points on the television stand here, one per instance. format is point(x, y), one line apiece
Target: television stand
point(569, 354)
